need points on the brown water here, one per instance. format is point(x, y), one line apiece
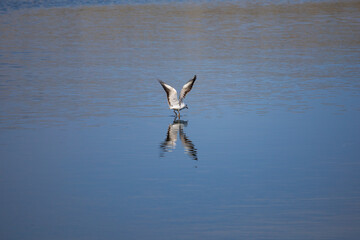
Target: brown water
point(268, 148)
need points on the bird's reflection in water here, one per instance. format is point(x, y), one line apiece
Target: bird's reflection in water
point(169, 144)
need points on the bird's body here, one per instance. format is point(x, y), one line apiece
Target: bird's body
point(178, 106)
point(174, 102)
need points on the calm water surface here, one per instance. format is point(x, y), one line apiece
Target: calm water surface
point(268, 149)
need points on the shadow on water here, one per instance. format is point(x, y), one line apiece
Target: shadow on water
point(169, 144)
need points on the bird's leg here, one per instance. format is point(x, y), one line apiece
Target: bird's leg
point(179, 113)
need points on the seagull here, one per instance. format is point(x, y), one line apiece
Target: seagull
point(172, 98)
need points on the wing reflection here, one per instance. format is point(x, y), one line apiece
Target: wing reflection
point(169, 144)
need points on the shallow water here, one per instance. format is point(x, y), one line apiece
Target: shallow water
point(268, 148)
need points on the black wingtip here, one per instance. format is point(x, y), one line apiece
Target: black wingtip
point(194, 78)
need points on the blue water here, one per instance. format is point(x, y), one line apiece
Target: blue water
point(268, 149)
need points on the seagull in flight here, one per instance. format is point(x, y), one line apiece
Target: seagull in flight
point(172, 98)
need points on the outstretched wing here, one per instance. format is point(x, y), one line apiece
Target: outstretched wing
point(186, 88)
point(170, 93)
